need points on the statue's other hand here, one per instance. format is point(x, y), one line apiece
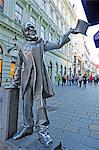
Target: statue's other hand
point(11, 86)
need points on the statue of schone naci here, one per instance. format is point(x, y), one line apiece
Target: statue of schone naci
point(35, 82)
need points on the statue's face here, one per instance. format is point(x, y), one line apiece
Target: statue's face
point(29, 32)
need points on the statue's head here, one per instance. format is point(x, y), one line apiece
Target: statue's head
point(29, 31)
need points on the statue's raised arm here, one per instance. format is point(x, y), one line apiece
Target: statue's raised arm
point(81, 27)
point(51, 45)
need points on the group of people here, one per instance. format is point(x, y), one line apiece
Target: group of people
point(77, 79)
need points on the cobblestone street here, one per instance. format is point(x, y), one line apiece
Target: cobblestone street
point(74, 120)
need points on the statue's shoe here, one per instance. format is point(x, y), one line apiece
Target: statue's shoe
point(24, 132)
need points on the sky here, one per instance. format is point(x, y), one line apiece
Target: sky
point(90, 32)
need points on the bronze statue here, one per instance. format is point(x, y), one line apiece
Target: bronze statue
point(35, 82)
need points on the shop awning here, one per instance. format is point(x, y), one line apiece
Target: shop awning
point(96, 39)
point(91, 8)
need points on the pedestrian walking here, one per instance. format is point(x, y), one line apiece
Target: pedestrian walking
point(76, 79)
point(67, 79)
point(84, 80)
point(63, 80)
point(70, 80)
point(95, 80)
point(58, 78)
point(91, 79)
point(80, 80)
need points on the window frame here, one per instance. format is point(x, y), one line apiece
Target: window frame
point(18, 13)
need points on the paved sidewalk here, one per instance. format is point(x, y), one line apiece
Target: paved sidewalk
point(74, 120)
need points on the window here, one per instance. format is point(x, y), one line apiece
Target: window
point(1, 5)
point(42, 32)
point(50, 36)
point(52, 12)
point(62, 26)
point(18, 13)
point(44, 4)
point(33, 20)
point(57, 20)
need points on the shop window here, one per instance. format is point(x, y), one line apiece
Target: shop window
point(12, 70)
point(1, 5)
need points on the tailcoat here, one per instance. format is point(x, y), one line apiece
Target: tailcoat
point(30, 54)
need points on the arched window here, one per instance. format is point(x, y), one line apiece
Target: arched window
point(1, 50)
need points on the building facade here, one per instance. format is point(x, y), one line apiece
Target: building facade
point(51, 18)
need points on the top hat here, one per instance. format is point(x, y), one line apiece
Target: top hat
point(81, 27)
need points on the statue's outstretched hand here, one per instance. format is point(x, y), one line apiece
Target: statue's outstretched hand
point(69, 31)
point(73, 31)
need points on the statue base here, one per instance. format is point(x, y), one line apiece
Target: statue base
point(9, 100)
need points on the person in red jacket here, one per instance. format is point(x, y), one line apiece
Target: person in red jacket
point(91, 79)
